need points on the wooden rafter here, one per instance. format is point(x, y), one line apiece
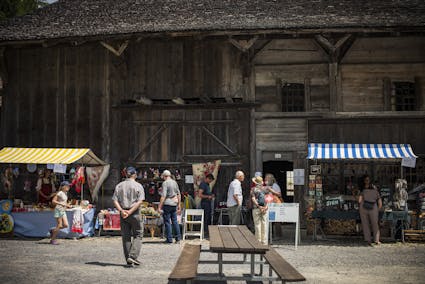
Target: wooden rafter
point(335, 51)
point(117, 51)
point(243, 45)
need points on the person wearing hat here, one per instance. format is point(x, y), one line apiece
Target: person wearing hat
point(207, 197)
point(60, 202)
point(235, 198)
point(260, 210)
point(127, 198)
point(169, 204)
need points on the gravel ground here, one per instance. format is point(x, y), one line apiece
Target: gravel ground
point(100, 260)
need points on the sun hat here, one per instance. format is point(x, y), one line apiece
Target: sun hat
point(257, 180)
point(131, 171)
point(166, 173)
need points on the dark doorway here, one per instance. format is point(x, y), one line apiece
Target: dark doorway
point(279, 169)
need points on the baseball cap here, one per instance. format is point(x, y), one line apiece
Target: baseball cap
point(131, 171)
point(65, 183)
point(166, 173)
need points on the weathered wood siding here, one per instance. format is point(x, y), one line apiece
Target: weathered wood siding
point(53, 97)
point(291, 61)
point(275, 134)
point(177, 138)
point(371, 60)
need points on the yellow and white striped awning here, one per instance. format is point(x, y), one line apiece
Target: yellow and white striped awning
point(49, 156)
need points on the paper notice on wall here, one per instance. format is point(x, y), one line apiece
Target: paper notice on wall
point(188, 178)
point(59, 168)
point(299, 176)
point(408, 162)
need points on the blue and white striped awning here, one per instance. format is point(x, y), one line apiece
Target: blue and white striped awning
point(359, 151)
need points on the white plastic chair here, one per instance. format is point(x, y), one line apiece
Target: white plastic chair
point(189, 220)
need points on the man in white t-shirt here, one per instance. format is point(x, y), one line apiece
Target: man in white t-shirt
point(235, 198)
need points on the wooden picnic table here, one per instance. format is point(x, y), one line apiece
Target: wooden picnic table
point(236, 240)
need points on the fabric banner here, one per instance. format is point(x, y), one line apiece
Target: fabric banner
point(200, 171)
point(95, 178)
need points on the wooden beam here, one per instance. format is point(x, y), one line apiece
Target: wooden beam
point(260, 48)
point(218, 140)
point(3, 70)
point(117, 51)
point(243, 45)
point(150, 141)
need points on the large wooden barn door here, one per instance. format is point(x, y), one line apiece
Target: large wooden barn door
point(176, 138)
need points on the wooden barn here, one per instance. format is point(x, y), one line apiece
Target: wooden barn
point(169, 83)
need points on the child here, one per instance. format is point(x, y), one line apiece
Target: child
point(59, 200)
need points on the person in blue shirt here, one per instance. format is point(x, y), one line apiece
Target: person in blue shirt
point(206, 196)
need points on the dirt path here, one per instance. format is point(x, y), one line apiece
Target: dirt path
point(100, 260)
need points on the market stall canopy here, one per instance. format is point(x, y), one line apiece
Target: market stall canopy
point(49, 156)
point(359, 151)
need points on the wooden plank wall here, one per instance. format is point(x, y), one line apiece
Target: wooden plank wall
point(370, 60)
point(292, 61)
point(176, 138)
point(52, 97)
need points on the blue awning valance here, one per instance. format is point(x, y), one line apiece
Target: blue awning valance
point(359, 151)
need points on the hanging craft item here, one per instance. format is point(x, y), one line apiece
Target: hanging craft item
point(6, 220)
point(77, 221)
point(31, 168)
point(79, 179)
point(71, 173)
point(152, 188)
point(178, 175)
point(156, 174)
point(7, 179)
point(95, 178)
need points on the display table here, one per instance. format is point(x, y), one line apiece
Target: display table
point(38, 224)
point(399, 220)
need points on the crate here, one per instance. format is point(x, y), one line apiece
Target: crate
point(414, 235)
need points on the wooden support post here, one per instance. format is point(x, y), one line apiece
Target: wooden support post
point(336, 53)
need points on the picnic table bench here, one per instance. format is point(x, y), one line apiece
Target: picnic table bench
point(235, 240)
point(186, 267)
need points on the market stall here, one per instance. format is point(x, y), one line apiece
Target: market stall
point(334, 183)
point(33, 217)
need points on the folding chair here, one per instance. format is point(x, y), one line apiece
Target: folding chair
point(189, 220)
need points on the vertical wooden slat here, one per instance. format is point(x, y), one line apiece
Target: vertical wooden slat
point(386, 93)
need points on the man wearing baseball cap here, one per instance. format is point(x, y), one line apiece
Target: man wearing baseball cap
point(128, 196)
point(170, 205)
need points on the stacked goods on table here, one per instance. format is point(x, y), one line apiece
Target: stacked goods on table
point(149, 211)
point(340, 227)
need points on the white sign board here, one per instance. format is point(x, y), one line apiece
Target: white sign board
point(285, 212)
point(188, 178)
point(408, 162)
point(299, 176)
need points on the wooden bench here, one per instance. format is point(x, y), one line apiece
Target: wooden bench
point(285, 271)
point(186, 267)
